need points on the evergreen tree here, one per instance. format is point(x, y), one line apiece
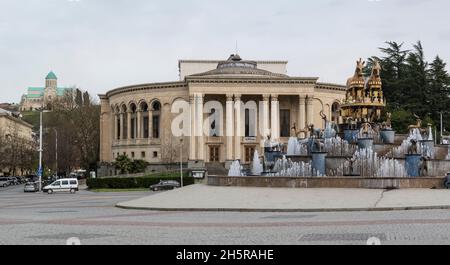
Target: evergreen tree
point(393, 72)
point(439, 83)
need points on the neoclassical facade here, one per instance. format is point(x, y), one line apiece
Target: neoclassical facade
point(137, 120)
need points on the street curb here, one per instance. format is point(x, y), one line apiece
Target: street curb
point(380, 209)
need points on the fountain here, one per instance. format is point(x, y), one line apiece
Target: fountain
point(286, 168)
point(400, 151)
point(257, 167)
point(365, 136)
point(351, 160)
point(235, 169)
point(387, 134)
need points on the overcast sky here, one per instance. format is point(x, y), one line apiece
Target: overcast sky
point(99, 45)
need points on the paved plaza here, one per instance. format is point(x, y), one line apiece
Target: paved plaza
point(93, 219)
point(212, 198)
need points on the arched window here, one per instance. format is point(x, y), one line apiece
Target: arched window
point(335, 112)
point(156, 120)
point(145, 121)
point(133, 130)
point(124, 125)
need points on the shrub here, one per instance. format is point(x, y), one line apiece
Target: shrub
point(132, 183)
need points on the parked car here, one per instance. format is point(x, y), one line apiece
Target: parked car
point(165, 185)
point(31, 187)
point(4, 182)
point(62, 185)
point(14, 180)
point(447, 181)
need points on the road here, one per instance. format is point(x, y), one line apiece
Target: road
point(36, 219)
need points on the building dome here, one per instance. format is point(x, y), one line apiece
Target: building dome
point(51, 76)
point(236, 66)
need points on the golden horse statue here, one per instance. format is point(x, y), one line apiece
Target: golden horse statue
point(418, 124)
point(359, 71)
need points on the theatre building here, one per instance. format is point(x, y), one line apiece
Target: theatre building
point(137, 120)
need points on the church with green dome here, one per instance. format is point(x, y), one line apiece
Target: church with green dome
point(37, 97)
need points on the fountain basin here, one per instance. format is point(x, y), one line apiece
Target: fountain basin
point(319, 162)
point(387, 136)
point(365, 143)
point(329, 182)
point(412, 164)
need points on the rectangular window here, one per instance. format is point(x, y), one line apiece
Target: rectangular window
point(285, 123)
point(118, 129)
point(250, 126)
point(155, 154)
point(249, 152)
point(143, 154)
point(214, 154)
point(73, 182)
point(133, 131)
point(156, 127)
point(132, 154)
point(247, 123)
point(146, 134)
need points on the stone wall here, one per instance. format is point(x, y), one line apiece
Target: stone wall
point(335, 182)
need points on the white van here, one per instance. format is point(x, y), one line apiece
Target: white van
point(62, 185)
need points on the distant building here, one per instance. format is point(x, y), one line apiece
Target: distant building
point(37, 97)
point(15, 135)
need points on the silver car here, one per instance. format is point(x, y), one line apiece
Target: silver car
point(4, 182)
point(31, 187)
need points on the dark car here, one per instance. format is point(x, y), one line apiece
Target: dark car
point(165, 185)
point(14, 180)
point(447, 181)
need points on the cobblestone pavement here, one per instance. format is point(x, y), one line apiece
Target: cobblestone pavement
point(93, 219)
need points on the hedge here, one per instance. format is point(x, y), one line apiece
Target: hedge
point(132, 183)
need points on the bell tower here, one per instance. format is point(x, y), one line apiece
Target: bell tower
point(51, 84)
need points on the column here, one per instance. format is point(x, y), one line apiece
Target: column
point(193, 124)
point(238, 127)
point(310, 110)
point(230, 127)
point(275, 117)
point(122, 127)
point(265, 123)
point(138, 125)
point(129, 124)
point(302, 113)
point(199, 130)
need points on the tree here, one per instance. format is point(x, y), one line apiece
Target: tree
point(78, 126)
point(439, 87)
point(124, 164)
point(411, 85)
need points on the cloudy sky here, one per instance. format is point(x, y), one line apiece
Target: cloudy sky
point(99, 45)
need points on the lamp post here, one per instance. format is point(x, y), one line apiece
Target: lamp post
point(40, 171)
point(181, 161)
point(56, 151)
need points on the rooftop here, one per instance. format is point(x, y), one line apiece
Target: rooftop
point(234, 65)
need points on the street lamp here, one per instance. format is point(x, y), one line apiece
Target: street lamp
point(56, 151)
point(181, 161)
point(40, 170)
